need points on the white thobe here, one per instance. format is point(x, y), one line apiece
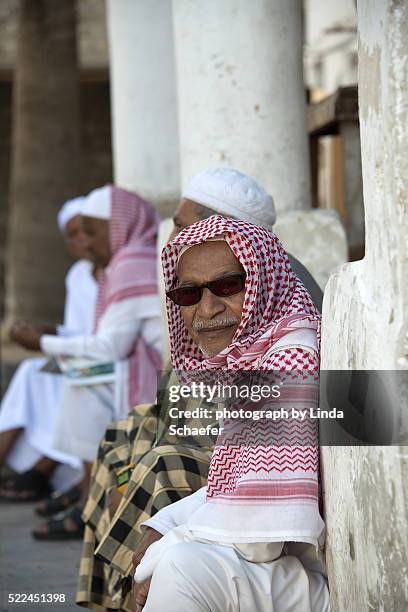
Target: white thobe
point(88, 409)
point(32, 400)
point(195, 575)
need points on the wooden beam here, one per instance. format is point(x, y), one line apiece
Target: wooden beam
point(323, 117)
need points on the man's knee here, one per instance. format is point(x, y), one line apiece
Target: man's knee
point(182, 557)
point(191, 559)
point(191, 576)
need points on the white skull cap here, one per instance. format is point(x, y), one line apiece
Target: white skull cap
point(69, 210)
point(230, 192)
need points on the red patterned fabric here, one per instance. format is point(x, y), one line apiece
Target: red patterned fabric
point(131, 273)
point(263, 479)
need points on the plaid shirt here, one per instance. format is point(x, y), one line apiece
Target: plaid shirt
point(162, 469)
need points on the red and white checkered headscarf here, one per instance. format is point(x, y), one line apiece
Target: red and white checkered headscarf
point(276, 302)
point(258, 492)
point(131, 273)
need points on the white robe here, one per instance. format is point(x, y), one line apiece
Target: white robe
point(87, 409)
point(189, 573)
point(196, 576)
point(32, 400)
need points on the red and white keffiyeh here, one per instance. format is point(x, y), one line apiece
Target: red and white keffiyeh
point(131, 273)
point(258, 492)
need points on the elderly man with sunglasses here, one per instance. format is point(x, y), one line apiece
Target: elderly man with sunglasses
point(251, 539)
point(139, 441)
point(230, 193)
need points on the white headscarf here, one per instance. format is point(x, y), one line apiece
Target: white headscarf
point(230, 192)
point(69, 210)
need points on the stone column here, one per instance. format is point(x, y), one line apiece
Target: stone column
point(241, 92)
point(5, 152)
point(242, 103)
point(45, 157)
point(144, 107)
point(365, 326)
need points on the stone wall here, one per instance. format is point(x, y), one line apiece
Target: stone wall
point(365, 327)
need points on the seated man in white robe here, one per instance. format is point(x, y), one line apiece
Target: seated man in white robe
point(230, 193)
point(29, 409)
point(250, 540)
point(121, 229)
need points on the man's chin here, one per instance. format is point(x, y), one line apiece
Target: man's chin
point(210, 349)
point(212, 342)
point(211, 352)
point(93, 259)
point(98, 262)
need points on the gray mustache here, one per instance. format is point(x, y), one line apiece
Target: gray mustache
point(225, 322)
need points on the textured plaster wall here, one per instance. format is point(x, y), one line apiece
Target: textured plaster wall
point(365, 326)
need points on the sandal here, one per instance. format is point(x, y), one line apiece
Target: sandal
point(58, 502)
point(26, 487)
point(57, 530)
point(6, 473)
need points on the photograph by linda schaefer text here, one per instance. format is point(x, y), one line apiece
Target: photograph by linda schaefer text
point(241, 414)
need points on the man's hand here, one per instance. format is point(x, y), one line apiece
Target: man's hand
point(46, 328)
point(114, 499)
point(26, 335)
point(149, 536)
point(140, 593)
point(141, 589)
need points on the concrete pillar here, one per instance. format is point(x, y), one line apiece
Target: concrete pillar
point(365, 326)
point(144, 107)
point(45, 165)
point(242, 104)
point(241, 93)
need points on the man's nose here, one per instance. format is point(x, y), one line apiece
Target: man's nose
point(83, 240)
point(210, 305)
point(89, 242)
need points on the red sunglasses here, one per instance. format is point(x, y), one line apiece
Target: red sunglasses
point(223, 287)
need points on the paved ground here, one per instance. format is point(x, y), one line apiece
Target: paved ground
point(27, 566)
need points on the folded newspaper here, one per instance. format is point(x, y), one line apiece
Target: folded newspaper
point(80, 371)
